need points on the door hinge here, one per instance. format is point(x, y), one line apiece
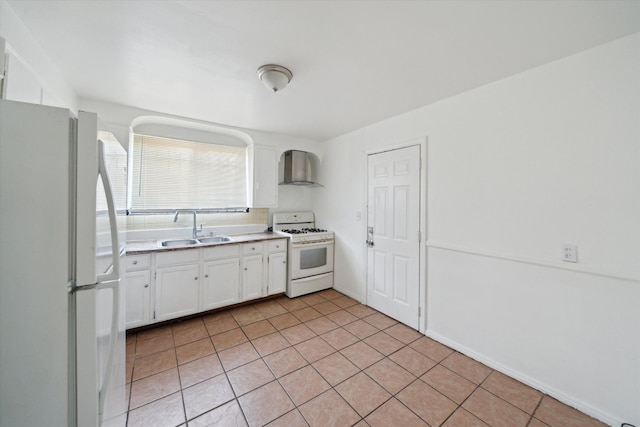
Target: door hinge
point(154, 315)
point(419, 311)
point(155, 275)
point(419, 236)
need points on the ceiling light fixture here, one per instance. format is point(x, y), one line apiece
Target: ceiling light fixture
point(275, 77)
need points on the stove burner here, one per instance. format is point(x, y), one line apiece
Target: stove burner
point(288, 231)
point(304, 231)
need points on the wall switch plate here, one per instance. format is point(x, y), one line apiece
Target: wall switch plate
point(569, 253)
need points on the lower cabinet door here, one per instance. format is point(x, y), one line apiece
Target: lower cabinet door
point(277, 278)
point(137, 298)
point(177, 291)
point(221, 283)
point(252, 277)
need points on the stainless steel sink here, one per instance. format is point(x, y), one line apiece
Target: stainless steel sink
point(180, 242)
point(194, 242)
point(214, 239)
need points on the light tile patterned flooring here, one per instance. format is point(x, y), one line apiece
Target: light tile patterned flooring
point(319, 360)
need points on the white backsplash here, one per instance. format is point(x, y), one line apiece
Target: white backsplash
point(148, 227)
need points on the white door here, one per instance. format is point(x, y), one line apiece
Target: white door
point(393, 226)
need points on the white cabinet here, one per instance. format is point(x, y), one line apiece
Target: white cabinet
point(252, 271)
point(168, 284)
point(221, 276)
point(177, 283)
point(21, 84)
point(277, 276)
point(137, 262)
point(277, 267)
point(137, 290)
point(263, 174)
point(137, 299)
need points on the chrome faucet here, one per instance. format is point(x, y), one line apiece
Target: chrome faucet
point(195, 228)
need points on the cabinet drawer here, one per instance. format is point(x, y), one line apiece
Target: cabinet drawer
point(221, 252)
point(177, 257)
point(252, 248)
point(277, 245)
point(136, 262)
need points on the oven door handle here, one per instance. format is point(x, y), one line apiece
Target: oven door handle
point(310, 244)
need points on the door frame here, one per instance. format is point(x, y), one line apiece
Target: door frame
point(423, 213)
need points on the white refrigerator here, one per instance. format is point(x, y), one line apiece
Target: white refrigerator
point(62, 223)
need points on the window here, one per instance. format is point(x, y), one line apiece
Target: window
point(167, 174)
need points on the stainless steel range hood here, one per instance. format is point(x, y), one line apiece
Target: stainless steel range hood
point(298, 168)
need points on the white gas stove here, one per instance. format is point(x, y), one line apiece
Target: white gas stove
point(310, 252)
point(299, 227)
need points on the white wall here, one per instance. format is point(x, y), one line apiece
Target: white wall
point(515, 169)
point(31, 76)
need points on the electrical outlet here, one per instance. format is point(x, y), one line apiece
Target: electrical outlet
point(569, 253)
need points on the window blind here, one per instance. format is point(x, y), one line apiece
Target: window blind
point(176, 174)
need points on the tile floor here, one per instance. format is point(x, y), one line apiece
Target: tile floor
point(319, 360)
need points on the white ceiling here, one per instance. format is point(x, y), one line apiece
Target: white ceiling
point(354, 62)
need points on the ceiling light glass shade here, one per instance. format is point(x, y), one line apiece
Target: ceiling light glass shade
point(275, 77)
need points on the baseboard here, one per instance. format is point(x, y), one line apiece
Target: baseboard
point(347, 293)
point(544, 388)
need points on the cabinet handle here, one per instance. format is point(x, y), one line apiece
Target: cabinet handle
point(195, 278)
point(206, 275)
point(146, 285)
point(253, 248)
point(135, 262)
point(284, 262)
point(245, 269)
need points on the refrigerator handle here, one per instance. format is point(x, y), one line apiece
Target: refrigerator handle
point(114, 273)
point(113, 337)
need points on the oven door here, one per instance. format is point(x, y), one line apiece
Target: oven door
point(310, 259)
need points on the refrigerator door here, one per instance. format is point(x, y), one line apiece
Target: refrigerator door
point(100, 326)
point(100, 356)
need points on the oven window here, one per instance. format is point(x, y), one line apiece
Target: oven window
point(313, 258)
